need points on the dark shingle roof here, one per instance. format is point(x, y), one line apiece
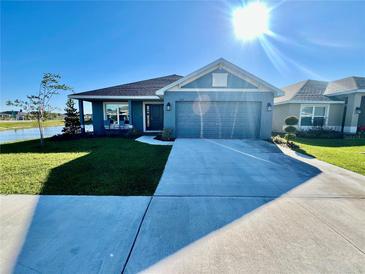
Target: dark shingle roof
point(345, 84)
point(308, 90)
point(140, 88)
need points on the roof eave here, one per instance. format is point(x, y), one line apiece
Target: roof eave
point(344, 92)
point(111, 97)
point(308, 102)
point(224, 63)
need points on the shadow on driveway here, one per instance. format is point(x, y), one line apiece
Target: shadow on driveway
point(215, 207)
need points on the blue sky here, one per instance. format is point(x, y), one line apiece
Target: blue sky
point(98, 44)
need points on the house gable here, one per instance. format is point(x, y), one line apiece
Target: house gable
point(232, 81)
point(237, 79)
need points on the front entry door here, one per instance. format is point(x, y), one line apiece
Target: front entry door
point(154, 116)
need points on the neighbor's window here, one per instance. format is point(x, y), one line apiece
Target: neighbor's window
point(117, 113)
point(314, 116)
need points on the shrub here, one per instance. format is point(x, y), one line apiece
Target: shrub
point(290, 127)
point(284, 142)
point(167, 134)
point(133, 133)
point(277, 139)
point(361, 132)
point(320, 132)
point(291, 121)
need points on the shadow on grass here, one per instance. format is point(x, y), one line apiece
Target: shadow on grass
point(304, 152)
point(105, 166)
point(63, 231)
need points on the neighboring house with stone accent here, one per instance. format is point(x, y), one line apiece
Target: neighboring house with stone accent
point(339, 105)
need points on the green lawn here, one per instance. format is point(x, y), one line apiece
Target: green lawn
point(346, 153)
point(6, 125)
point(97, 166)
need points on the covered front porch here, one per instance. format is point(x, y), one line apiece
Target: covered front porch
point(123, 115)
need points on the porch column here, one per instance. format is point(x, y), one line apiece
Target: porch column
point(351, 118)
point(81, 111)
point(130, 112)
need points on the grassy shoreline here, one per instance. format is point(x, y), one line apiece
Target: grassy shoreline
point(9, 125)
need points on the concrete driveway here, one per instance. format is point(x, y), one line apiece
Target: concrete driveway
point(222, 206)
point(244, 206)
point(201, 167)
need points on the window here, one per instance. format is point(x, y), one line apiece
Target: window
point(313, 116)
point(219, 79)
point(117, 113)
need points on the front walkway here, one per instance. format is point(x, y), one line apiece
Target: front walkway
point(221, 206)
point(150, 139)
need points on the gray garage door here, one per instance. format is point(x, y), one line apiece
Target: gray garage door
point(228, 120)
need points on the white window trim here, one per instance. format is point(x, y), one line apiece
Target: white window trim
point(144, 114)
point(114, 103)
point(326, 114)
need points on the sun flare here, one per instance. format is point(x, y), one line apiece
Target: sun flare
point(251, 21)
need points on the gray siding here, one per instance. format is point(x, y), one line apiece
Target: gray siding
point(335, 115)
point(352, 119)
point(281, 112)
point(232, 81)
point(362, 115)
point(262, 97)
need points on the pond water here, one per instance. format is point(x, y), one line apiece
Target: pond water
point(31, 133)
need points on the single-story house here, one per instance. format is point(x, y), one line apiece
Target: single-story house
point(338, 105)
point(220, 100)
point(7, 115)
point(20, 115)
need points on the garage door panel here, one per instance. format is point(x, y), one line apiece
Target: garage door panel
point(218, 119)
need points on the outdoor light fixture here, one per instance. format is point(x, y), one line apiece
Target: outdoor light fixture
point(269, 107)
point(168, 106)
point(358, 110)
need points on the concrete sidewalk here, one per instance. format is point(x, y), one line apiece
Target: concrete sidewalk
point(245, 235)
point(68, 234)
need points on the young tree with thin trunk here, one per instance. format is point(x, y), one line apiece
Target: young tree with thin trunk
point(39, 104)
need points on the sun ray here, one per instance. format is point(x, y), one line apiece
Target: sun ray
point(280, 61)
